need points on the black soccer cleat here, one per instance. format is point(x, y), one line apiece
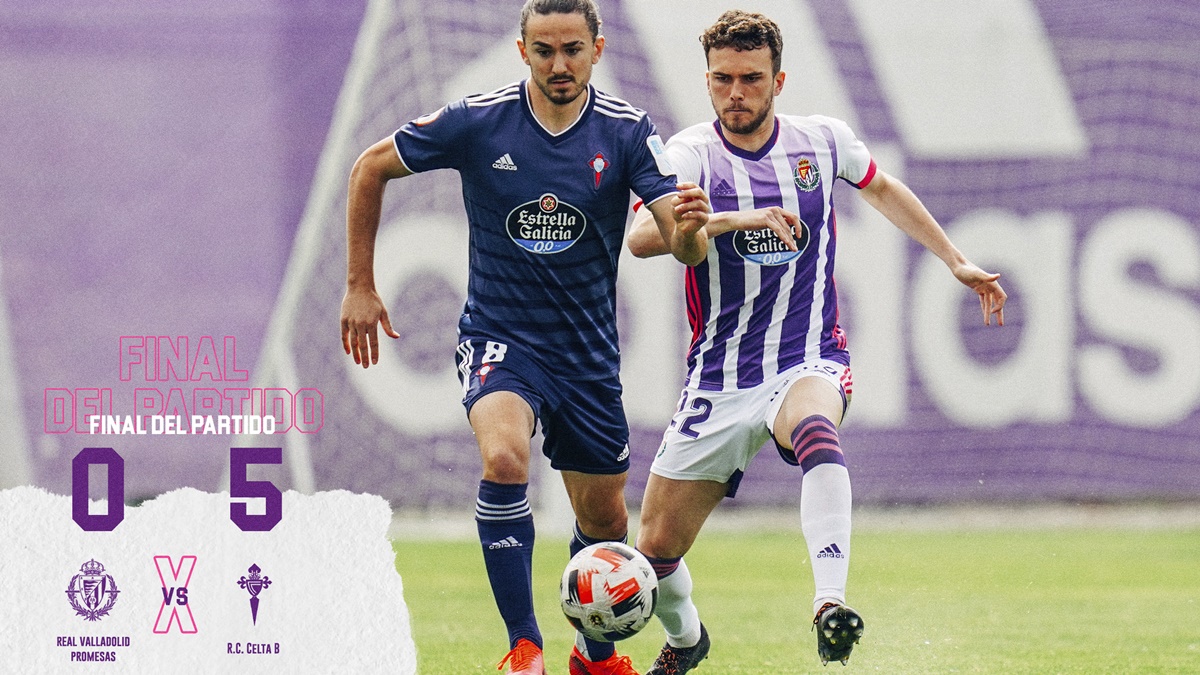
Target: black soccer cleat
point(679, 660)
point(838, 630)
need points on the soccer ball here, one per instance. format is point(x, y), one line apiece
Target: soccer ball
point(609, 591)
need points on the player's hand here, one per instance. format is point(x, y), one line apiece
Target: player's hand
point(691, 208)
point(991, 295)
point(362, 313)
point(779, 220)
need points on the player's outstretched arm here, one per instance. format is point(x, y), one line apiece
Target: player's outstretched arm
point(678, 224)
point(897, 203)
point(645, 239)
point(362, 308)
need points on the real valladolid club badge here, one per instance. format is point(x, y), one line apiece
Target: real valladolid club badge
point(254, 584)
point(807, 175)
point(92, 592)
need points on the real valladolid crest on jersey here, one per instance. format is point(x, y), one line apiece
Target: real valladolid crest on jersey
point(807, 175)
point(546, 225)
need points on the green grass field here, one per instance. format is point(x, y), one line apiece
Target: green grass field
point(1040, 601)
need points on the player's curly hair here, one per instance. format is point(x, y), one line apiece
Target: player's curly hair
point(588, 8)
point(745, 31)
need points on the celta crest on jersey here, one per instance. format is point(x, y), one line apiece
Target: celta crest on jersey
point(807, 175)
point(546, 225)
point(764, 247)
point(598, 164)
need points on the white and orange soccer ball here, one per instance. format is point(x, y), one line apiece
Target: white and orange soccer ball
point(609, 591)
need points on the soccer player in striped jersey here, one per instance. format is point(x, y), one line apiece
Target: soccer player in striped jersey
point(547, 165)
point(767, 358)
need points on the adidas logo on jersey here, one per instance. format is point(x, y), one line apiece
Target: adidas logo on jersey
point(624, 454)
point(831, 551)
point(507, 542)
point(505, 162)
point(723, 189)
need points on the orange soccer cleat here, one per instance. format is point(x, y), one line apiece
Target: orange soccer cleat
point(613, 665)
point(524, 659)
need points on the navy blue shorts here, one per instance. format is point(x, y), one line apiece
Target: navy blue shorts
point(583, 421)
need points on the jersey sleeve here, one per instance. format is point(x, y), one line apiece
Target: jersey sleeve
point(433, 141)
point(855, 165)
point(684, 158)
point(651, 176)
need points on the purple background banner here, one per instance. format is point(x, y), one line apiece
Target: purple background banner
point(180, 171)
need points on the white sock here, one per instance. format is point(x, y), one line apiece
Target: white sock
point(825, 519)
point(675, 609)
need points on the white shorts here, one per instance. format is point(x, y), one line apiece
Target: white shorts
point(714, 434)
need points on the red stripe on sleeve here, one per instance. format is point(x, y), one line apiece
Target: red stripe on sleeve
point(867, 178)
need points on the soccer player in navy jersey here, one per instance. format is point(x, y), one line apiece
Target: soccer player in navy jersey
point(547, 165)
point(767, 358)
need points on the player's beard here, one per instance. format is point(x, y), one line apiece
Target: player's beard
point(745, 128)
point(560, 97)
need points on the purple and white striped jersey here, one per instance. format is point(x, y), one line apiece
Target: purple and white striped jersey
point(755, 307)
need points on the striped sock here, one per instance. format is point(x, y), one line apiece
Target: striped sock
point(825, 501)
point(815, 441)
point(505, 524)
point(675, 609)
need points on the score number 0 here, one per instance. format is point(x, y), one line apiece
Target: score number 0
point(240, 487)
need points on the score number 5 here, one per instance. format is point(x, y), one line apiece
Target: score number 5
point(240, 487)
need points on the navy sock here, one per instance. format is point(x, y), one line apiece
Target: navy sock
point(594, 651)
point(505, 524)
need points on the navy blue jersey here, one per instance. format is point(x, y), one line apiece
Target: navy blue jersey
point(547, 217)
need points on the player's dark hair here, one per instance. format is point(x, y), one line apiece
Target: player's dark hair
point(745, 31)
point(588, 8)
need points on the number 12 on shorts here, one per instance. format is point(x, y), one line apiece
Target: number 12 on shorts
point(700, 409)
